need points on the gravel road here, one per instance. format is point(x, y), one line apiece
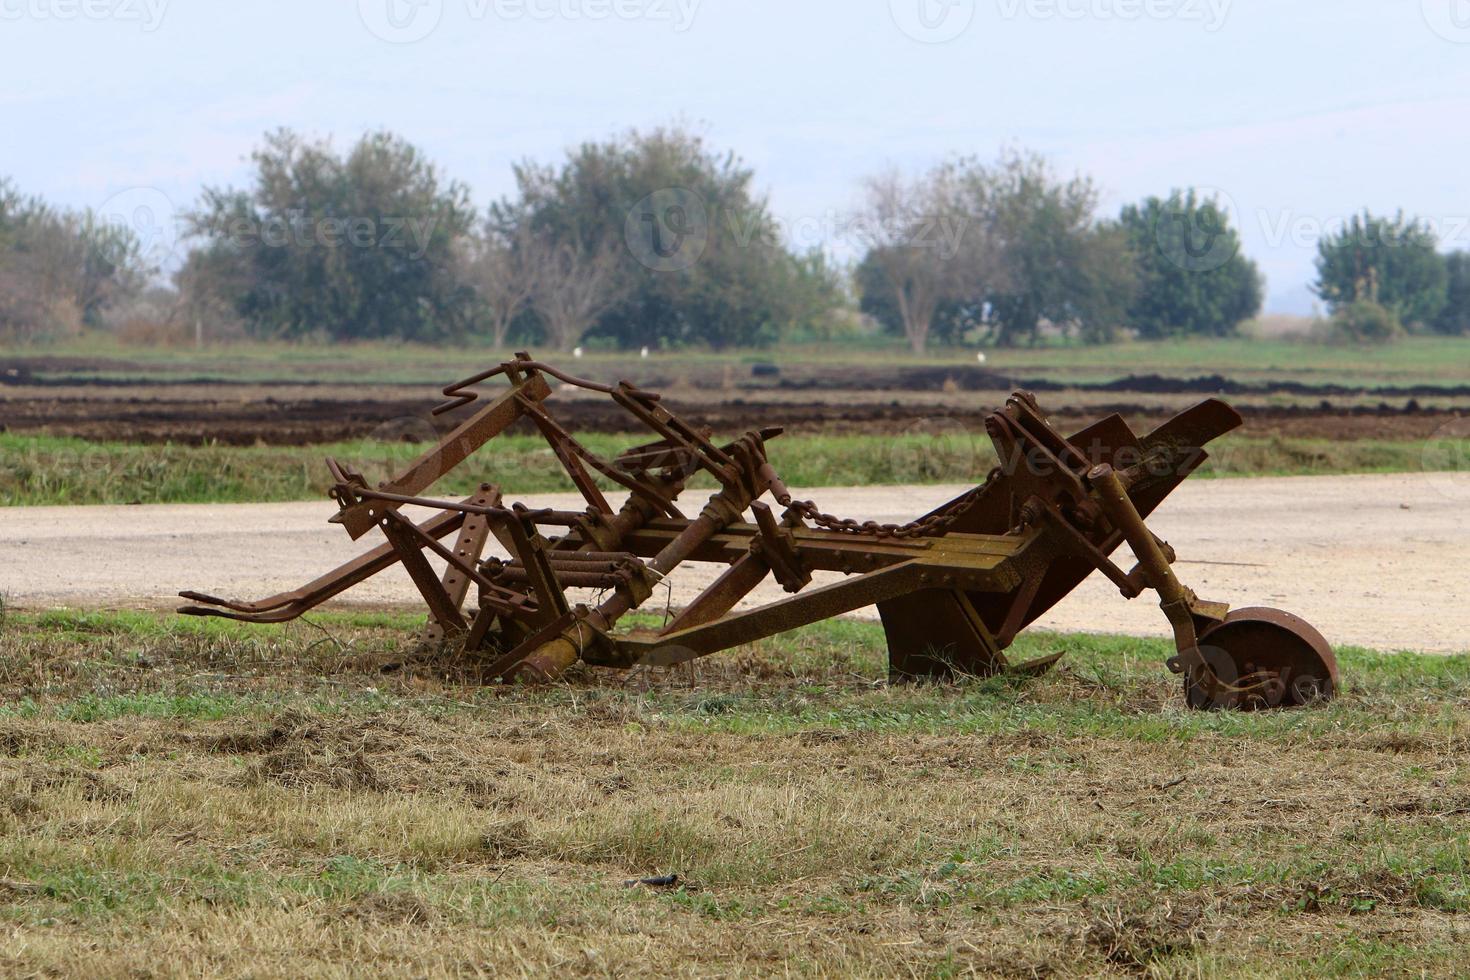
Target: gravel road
point(1377, 561)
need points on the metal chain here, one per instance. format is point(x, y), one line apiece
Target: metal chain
point(925, 527)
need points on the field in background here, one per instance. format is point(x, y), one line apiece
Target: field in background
point(1415, 360)
point(227, 798)
point(253, 422)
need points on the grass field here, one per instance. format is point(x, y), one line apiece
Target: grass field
point(204, 797)
point(1426, 360)
point(40, 470)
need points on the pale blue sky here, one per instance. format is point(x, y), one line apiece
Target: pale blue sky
point(1299, 111)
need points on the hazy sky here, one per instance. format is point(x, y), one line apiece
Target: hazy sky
point(1297, 111)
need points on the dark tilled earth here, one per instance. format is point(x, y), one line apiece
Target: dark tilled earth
point(84, 400)
point(280, 419)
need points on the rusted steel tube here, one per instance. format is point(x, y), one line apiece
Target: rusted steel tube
point(561, 518)
point(576, 579)
point(550, 661)
point(1120, 510)
point(723, 509)
point(557, 656)
point(571, 566)
point(554, 657)
point(1174, 598)
point(574, 557)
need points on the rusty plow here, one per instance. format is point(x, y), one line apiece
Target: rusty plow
point(953, 588)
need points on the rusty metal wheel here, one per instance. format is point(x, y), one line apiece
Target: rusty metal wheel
point(1281, 655)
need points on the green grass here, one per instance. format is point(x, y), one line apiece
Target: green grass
point(228, 799)
point(1414, 360)
point(45, 470)
point(1382, 687)
point(1422, 360)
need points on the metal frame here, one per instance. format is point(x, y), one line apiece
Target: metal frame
point(953, 588)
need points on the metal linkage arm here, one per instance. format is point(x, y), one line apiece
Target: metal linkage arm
point(288, 605)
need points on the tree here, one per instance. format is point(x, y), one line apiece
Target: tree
point(1059, 264)
point(918, 260)
point(816, 296)
point(26, 313)
point(574, 285)
point(208, 285)
point(1192, 277)
point(349, 247)
point(1454, 318)
point(700, 258)
point(1032, 252)
point(502, 273)
point(1364, 321)
point(1391, 261)
point(955, 317)
point(61, 270)
point(1102, 288)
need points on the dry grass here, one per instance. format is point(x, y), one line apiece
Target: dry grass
point(205, 798)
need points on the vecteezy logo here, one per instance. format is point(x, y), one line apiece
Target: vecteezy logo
point(1199, 239)
point(668, 230)
point(149, 216)
point(400, 21)
point(932, 21)
point(1450, 19)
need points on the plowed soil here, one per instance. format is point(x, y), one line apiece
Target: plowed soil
point(295, 413)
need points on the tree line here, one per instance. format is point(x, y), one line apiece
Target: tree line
point(61, 271)
point(658, 239)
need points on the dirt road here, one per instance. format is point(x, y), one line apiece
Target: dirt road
point(1376, 561)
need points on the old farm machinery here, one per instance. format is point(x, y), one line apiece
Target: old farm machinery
point(953, 588)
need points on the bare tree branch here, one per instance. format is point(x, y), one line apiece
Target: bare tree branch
point(929, 238)
point(503, 275)
point(573, 286)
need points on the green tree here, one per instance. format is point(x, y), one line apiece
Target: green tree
point(873, 279)
point(1060, 264)
point(347, 247)
point(1454, 318)
point(816, 296)
point(700, 259)
point(1390, 261)
point(1364, 322)
point(1192, 277)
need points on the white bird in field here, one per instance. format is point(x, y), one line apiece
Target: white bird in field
point(980, 357)
point(643, 353)
point(576, 352)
